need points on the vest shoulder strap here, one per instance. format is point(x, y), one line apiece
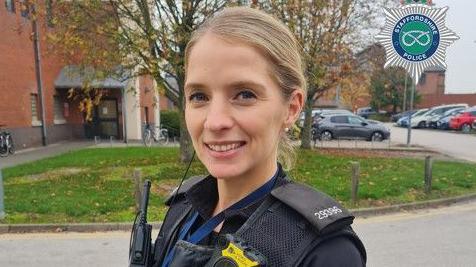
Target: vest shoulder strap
point(321, 211)
point(187, 184)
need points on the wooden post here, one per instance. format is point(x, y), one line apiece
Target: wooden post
point(428, 173)
point(137, 192)
point(355, 182)
point(2, 212)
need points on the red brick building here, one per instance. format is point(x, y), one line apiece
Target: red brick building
point(431, 86)
point(432, 90)
point(20, 105)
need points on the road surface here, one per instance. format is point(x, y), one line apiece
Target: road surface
point(454, 144)
point(435, 237)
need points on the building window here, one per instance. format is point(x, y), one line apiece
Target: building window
point(422, 79)
point(58, 110)
point(35, 118)
point(10, 5)
point(24, 8)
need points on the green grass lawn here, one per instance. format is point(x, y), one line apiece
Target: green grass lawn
point(96, 185)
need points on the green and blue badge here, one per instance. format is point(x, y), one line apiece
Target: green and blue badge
point(415, 37)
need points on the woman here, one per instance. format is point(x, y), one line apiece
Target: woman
point(244, 89)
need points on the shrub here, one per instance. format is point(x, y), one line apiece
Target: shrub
point(171, 121)
point(380, 117)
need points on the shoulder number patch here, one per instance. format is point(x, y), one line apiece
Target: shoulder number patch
point(322, 214)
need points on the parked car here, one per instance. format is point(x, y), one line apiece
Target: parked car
point(444, 122)
point(449, 113)
point(342, 126)
point(422, 120)
point(301, 116)
point(396, 117)
point(403, 122)
point(464, 121)
point(365, 112)
point(318, 114)
point(329, 112)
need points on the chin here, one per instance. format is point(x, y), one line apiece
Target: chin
point(224, 171)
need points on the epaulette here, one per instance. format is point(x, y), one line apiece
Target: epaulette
point(323, 212)
point(187, 184)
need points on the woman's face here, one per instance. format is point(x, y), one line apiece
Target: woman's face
point(235, 111)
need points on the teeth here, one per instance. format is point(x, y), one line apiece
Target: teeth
point(224, 148)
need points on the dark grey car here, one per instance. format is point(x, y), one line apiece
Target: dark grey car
point(341, 126)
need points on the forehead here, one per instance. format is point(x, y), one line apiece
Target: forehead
point(214, 59)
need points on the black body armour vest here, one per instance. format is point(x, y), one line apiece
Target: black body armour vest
point(292, 221)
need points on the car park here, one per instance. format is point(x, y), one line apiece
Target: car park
point(449, 113)
point(464, 121)
point(440, 110)
point(403, 122)
point(444, 122)
point(396, 117)
point(344, 126)
point(422, 120)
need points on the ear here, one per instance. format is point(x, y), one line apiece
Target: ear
point(295, 105)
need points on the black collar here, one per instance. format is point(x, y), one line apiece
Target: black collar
point(203, 197)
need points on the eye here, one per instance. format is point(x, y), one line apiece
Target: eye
point(197, 97)
point(245, 95)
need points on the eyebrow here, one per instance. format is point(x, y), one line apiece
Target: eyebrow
point(193, 85)
point(245, 83)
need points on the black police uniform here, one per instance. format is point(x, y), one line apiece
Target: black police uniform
point(294, 225)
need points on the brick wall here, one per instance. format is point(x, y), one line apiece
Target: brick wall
point(432, 89)
point(18, 81)
point(435, 100)
point(431, 83)
point(147, 92)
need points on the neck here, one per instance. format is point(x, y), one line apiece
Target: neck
point(233, 189)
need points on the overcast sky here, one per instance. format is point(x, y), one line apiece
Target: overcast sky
point(461, 55)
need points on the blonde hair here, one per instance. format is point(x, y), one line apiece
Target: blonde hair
point(277, 44)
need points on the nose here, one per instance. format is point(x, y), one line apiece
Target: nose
point(219, 116)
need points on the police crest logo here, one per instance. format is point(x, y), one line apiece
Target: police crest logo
point(415, 37)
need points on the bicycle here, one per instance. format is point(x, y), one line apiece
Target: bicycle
point(156, 134)
point(6, 143)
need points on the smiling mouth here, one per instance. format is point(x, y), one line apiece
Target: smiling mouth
point(225, 147)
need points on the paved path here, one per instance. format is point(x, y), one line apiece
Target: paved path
point(70, 249)
point(434, 237)
point(37, 153)
point(454, 144)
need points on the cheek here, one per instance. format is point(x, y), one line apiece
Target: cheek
point(191, 122)
point(266, 124)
